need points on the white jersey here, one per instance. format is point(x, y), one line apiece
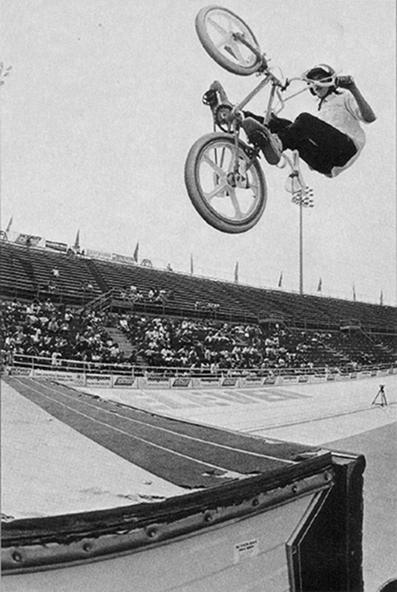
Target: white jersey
point(342, 112)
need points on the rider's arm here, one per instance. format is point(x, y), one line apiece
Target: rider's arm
point(365, 109)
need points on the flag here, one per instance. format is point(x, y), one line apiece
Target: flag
point(191, 265)
point(136, 252)
point(381, 298)
point(236, 272)
point(320, 285)
point(76, 245)
point(280, 280)
point(9, 224)
point(354, 293)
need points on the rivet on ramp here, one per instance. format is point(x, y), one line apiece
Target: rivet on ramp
point(208, 517)
point(17, 556)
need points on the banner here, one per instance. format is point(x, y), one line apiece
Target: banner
point(29, 240)
point(55, 246)
point(99, 380)
point(20, 371)
point(289, 378)
point(319, 378)
point(269, 380)
point(153, 382)
point(123, 381)
point(250, 381)
point(98, 255)
point(183, 381)
point(303, 378)
point(229, 382)
point(365, 373)
point(59, 376)
point(123, 259)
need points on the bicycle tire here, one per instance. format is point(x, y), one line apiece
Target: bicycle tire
point(196, 193)
point(229, 64)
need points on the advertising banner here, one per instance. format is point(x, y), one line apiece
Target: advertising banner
point(58, 375)
point(20, 371)
point(365, 373)
point(183, 381)
point(154, 382)
point(229, 381)
point(55, 246)
point(289, 378)
point(319, 378)
point(269, 380)
point(123, 259)
point(251, 381)
point(98, 255)
point(28, 240)
point(303, 378)
point(123, 381)
point(98, 380)
point(206, 382)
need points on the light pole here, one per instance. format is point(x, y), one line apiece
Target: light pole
point(304, 199)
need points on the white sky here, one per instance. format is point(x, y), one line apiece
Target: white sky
point(104, 102)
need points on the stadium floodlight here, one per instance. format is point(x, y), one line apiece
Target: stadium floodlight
point(304, 199)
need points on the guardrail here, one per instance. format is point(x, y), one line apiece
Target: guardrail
point(126, 375)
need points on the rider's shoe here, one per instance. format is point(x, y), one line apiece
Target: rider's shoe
point(210, 98)
point(261, 136)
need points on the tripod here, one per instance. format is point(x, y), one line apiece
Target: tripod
point(382, 395)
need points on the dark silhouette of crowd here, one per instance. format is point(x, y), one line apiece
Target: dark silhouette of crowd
point(40, 328)
point(44, 330)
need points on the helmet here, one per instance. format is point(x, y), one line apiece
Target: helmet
point(321, 75)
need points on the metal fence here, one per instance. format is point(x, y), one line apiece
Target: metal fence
point(86, 368)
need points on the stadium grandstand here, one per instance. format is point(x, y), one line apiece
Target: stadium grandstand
point(73, 306)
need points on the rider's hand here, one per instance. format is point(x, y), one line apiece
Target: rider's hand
point(345, 82)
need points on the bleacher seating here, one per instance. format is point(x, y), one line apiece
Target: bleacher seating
point(26, 271)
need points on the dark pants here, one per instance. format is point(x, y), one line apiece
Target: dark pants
point(319, 144)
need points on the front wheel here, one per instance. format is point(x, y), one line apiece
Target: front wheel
point(215, 27)
point(227, 189)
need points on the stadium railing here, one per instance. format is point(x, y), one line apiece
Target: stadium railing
point(48, 364)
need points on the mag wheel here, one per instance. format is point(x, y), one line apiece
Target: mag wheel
point(227, 190)
point(215, 28)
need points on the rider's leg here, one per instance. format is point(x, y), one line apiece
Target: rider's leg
point(318, 143)
point(260, 135)
point(274, 124)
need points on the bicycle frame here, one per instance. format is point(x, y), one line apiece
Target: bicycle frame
point(295, 183)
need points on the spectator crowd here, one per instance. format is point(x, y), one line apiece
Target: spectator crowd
point(40, 328)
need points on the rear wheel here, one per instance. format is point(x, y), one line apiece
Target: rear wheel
point(215, 28)
point(230, 198)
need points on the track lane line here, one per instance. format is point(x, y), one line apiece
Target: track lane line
point(168, 450)
point(186, 436)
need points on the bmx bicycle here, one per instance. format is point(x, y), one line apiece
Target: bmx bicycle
point(223, 176)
